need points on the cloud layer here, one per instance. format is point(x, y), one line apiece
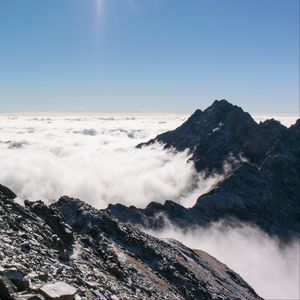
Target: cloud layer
point(93, 158)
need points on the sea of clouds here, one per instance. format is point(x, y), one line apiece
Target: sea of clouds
point(93, 157)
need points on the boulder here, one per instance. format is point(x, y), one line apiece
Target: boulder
point(59, 290)
point(7, 192)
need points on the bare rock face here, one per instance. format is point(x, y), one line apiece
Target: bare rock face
point(263, 189)
point(7, 288)
point(53, 219)
point(104, 259)
point(7, 192)
point(58, 290)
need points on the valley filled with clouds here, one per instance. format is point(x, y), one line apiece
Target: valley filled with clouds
point(93, 157)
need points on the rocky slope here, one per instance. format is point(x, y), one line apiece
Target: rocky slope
point(73, 251)
point(262, 189)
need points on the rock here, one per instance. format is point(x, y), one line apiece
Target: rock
point(106, 260)
point(53, 219)
point(17, 277)
point(28, 297)
point(7, 192)
point(58, 291)
point(131, 248)
point(7, 288)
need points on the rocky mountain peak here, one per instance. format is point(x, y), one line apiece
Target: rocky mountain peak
point(219, 133)
point(220, 119)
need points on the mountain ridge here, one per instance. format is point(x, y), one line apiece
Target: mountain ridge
point(71, 251)
point(261, 189)
point(222, 124)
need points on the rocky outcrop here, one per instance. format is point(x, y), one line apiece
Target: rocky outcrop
point(7, 192)
point(73, 251)
point(262, 189)
point(53, 219)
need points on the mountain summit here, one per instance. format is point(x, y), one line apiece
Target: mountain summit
point(221, 131)
point(262, 187)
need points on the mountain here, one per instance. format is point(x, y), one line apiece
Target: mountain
point(71, 251)
point(221, 131)
point(262, 188)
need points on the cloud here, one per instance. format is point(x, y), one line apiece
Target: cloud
point(17, 144)
point(271, 268)
point(94, 158)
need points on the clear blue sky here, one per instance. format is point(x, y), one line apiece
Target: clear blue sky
point(156, 55)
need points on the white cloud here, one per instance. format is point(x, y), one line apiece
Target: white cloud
point(93, 157)
point(271, 268)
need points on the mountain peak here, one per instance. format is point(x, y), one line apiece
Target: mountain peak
point(224, 106)
point(221, 131)
point(222, 102)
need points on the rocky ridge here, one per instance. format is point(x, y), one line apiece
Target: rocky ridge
point(262, 188)
point(70, 250)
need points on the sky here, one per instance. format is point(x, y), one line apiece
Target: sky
point(149, 56)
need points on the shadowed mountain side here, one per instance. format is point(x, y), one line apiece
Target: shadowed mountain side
point(263, 191)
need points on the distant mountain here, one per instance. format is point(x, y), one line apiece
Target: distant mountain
point(263, 188)
point(71, 251)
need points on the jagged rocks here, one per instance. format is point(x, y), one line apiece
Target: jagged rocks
point(106, 260)
point(7, 192)
point(17, 277)
point(7, 288)
point(53, 219)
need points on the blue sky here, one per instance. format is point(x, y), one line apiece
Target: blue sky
point(149, 55)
